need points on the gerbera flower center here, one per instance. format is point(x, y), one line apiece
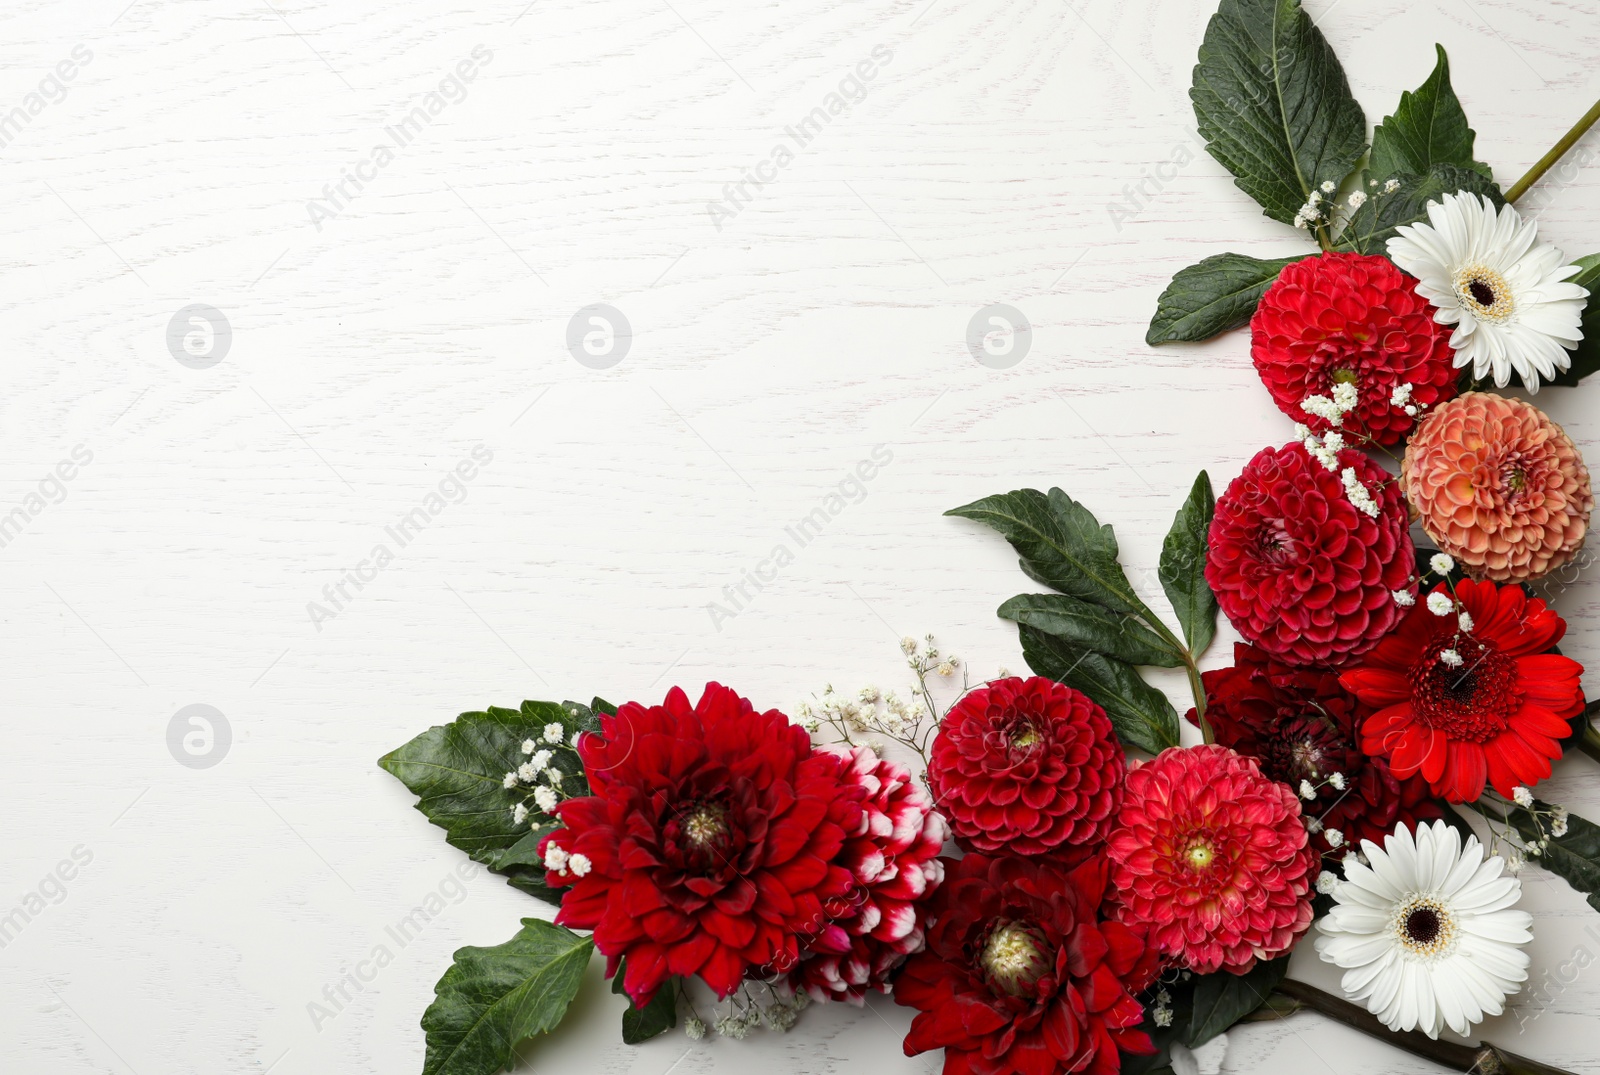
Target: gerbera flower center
point(1013, 958)
point(1485, 292)
point(1424, 926)
point(1471, 700)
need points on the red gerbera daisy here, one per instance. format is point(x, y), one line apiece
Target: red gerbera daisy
point(1302, 570)
point(1026, 766)
point(1213, 858)
point(707, 847)
point(1301, 725)
point(893, 856)
point(1022, 975)
point(1473, 699)
point(1352, 319)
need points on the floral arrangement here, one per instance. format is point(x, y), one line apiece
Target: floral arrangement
point(1035, 865)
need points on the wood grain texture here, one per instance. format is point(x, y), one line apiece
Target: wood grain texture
point(429, 316)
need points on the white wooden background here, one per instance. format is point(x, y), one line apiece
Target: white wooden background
point(372, 354)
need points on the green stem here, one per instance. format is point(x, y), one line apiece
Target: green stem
point(1190, 668)
point(1589, 742)
point(1557, 151)
point(1482, 1059)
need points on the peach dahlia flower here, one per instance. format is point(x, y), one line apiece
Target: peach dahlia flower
point(1498, 486)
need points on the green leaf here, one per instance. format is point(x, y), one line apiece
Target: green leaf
point(1091, 627)
point(1586, 357)
point(456, 771)
point(1061, 543)
point(1183, 567)
point(1428, 128)
point(1141, 715)
point(1374, 224)
point(1575, 857)
point(491, 999)
point(1212, 296)
point(657, 1017)
point(1222, 999)
point(1273, 104)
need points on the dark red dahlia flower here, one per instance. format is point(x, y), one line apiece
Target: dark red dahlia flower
point(1302, 570)
point(1470, 701)
point(1027, 766)
point(1022, 976)
point(708, 846)
point(1301, 725)
point(1352, 319)
point(1213, 858)
point(893, 857)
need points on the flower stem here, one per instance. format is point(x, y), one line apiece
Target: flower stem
point(1480, 1058)
point(1589, 741)
point(1557, 151)
point(1191, 668)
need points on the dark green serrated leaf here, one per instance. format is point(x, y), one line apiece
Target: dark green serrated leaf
point(1374, 224)
point(657, 1017)
point(1212, 296)
point(1091, 627)
point(1183, 566)
point(1140, 714)
point(491, 999)
point(1061, 543)
point(1273, 104)
point(456, 771)
point(1586, 357)
point(1575, 857)
point(1427, 128)
point(1222, 999)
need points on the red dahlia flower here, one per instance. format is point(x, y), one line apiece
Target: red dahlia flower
point(710, 838)
point(1352, 319)
point(1026, 765)
point(1213, 858)
point(1022, 976)
point(1301, 570)
point(1474, 700)
point(1300, 724)
point(893, 856)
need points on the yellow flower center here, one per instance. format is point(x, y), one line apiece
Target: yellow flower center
point(1200, 855)
point(1013, 959)
point(1485, 293)
point(1425, 927)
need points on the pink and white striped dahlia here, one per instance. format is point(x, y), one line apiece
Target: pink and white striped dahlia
point(893, 856)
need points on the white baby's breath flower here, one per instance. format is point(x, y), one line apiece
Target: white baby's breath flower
point(540, 760)
point(1404, 598)
point(1345, 396)
point(1321, 406)
point(579, 865)
point(1391, 186)
point(528, 746)
point(1441, 604)
point(1510, 298)
point(509, 780)
point(1401, 395)
point(1522, 796)
point(554, 858)
point(554, 733)
point(527, 773)
point(1327, 881)
point(1306, 790)
point(1358, 494)
point(1464, 621)
point(546, 798)
point(1451, 658)
point(1441, 563)
point(1334, 837)
point(519, 813)
point(1329, 186)
point(1337, 780)
point(1357, 199)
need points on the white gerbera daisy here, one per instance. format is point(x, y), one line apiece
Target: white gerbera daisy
point(1428, 935)
point(1510, 298)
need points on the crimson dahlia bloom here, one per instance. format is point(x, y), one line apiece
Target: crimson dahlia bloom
point(1300, 724)
point(1213, 858)
point(1301, 571)
point(1352, 319)
point(1468, 705)
point(711, 837)
point(893, 857)
point(1023, 976)
point(1026, 766)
